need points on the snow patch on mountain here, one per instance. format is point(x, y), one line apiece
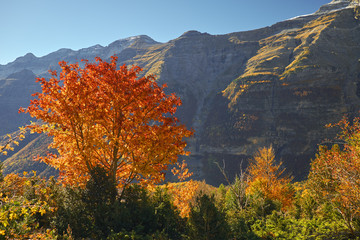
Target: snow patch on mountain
point(333, 6)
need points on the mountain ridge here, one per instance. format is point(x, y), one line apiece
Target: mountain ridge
point(41, 65)
point(31, 56)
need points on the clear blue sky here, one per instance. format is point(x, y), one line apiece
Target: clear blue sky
point(44, 26)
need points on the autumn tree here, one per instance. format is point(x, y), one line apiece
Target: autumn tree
point(267, 178)
point(103, 115)
point(335, 172)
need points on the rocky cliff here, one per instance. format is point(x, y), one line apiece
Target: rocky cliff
point(277, 86)
point(296, 83)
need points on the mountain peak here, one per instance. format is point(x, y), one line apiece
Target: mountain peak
point(343, 1)
point(191, 33)
point(24, 73)
point(26, 57)
point(337, 5)
point(145, 38)
point(29, 55)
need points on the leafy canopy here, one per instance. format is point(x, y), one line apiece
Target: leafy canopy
point(105, 115)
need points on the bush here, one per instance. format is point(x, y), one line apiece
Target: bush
point(168, 216)
point(100, 212)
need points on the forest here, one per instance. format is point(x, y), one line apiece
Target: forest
point(116, 136)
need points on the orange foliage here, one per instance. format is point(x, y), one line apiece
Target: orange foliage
point(181, 171)
point(266, 177)
point(102, 115)
point(335, 172)
point(13, 185)
point(183, 194)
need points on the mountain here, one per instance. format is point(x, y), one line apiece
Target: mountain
point(40, 66)
point(278, 85)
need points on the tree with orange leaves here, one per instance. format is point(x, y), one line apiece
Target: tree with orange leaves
point(103, 115)
point(335, 173)
point(266, 177)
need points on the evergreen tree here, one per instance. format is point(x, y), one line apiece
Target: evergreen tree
point(206, 221)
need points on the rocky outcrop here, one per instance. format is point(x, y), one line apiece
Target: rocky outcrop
point(276, 86)
point(337, 5)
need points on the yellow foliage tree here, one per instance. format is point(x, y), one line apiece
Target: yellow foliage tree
point(266, 177)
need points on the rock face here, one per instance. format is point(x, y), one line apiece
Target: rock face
point(336, 5)
point(296, 83)
point(15, 92)
point(276, 86)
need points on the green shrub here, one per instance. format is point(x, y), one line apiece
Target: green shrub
point(206, 221)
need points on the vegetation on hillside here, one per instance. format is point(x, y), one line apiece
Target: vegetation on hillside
point(114, 155)
point(257, 205)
